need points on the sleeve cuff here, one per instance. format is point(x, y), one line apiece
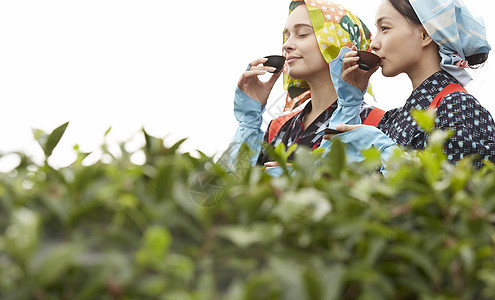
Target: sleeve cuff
point(247, 111)
point(350, 97)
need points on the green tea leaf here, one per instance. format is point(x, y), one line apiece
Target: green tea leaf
point(53, 139)
point(336, 157)
point(425, 119)
point(156, 243)
point(52, 263)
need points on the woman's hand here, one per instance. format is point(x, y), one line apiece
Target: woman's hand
point(273, 164)
point(352, 74)
point(343, 128)
point(250, 84)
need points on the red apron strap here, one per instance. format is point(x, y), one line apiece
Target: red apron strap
point(374, 117)
point(276, 124)
point(449, 89)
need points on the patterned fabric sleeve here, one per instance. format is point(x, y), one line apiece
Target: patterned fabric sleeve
point(365, 111)
point(389, 115)
point(473, 128)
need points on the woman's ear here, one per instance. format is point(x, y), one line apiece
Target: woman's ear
point(427, 40)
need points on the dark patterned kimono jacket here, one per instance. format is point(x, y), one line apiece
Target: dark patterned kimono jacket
point(471, 123)
point(293, 132)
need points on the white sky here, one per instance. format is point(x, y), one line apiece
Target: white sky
point(168, 66)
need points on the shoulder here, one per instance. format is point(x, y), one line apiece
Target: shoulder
point(461, 101)
point(462, 108)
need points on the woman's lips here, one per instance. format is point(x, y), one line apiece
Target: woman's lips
point(292, 59)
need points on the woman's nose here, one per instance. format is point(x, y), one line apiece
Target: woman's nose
point(375, 45)
point(288, 45)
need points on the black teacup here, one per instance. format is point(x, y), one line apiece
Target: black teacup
point(368, 60)
point(276, 61)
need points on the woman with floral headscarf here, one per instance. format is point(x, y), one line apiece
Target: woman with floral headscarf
point(314, 34)
point(432, 41)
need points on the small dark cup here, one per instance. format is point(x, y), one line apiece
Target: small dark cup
point(276, 61)
point(332, 131)
point(368, 60)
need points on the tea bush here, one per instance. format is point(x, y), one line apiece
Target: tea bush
point(180, 226)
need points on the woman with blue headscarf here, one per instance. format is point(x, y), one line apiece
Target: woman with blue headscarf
point(432, 41)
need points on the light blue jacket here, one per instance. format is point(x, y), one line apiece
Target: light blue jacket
point(349, 108)
point(249, 114)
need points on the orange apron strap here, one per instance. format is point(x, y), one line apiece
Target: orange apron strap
point(276, 124)
point(374, 117)
point(449, 89)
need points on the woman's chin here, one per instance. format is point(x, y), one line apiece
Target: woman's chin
point(388, 73)
point(294, 74)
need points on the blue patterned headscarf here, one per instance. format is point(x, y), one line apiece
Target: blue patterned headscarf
point(458, 34)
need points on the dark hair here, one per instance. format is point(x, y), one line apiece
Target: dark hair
point(406, 10)
point(295, 4)
point(477, 60)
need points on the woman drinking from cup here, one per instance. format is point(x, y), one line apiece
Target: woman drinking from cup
point(432, 41)
point(313, 36)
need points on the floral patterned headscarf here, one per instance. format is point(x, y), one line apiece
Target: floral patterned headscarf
point(334, 27)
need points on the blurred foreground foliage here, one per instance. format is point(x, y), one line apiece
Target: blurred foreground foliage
point(181, 227)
